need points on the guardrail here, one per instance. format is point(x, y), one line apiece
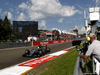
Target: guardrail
point(77, 67)
point(13, 44)
point(95, 65)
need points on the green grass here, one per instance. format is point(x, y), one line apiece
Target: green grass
point(63, 65)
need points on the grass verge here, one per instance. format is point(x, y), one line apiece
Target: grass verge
point(63, 65)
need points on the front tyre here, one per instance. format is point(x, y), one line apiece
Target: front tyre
point(48, 49)
point(40, 53)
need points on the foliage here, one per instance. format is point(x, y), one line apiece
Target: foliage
point(1, 29)
point(5, 29)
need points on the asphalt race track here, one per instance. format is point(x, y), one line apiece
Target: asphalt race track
point(13, 56)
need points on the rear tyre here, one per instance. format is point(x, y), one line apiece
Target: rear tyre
point(34, 56)
point(24, 55)
point(27, 52)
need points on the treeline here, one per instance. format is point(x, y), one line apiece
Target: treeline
point(6, 33)
point(5, 29)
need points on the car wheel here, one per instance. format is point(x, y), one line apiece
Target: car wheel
point(40, 53)
point(27, 51)
point(34, 56)
point(48, 49)
point(24, 55)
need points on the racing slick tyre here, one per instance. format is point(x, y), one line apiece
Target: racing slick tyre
point(34, 56)
point(44, 51)
point(27, 52)
point(40, 53)
point(24, 55)
point(48, 49)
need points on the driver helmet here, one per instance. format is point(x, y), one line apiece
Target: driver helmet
point(39, 46)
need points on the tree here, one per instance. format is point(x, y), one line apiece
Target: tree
point(1, 30)
point(1, 22)
point(7, 28)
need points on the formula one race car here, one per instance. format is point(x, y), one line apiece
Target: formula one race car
point(37, 52)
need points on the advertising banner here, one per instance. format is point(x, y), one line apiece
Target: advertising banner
point(36, 43)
